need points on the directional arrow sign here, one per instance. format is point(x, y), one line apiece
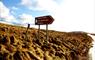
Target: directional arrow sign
point(43, 20)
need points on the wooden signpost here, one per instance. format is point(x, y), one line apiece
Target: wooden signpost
point(44, 20)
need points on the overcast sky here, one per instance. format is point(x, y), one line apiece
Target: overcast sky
point(69, 15)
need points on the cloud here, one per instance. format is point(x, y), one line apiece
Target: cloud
point(28, 3)
point(5, 13)
point(48, 5)
point(75, 15)
point(14, 8)
point(26, 18)
point(70, 15)
point(40, 5)
point(7, 17)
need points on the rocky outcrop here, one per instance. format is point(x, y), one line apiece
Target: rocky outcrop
point(16, 44)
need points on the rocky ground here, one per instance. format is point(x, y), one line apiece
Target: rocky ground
point(17, 44)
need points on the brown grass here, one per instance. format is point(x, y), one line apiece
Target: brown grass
point(16, 44)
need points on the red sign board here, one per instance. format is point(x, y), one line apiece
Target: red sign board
point(42, 20)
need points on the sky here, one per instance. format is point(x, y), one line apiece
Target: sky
point(69, 15)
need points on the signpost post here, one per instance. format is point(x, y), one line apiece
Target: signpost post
point(44, 20)
point(46, 32)
point(27, 31)
point(39, 32)
point(28, 27)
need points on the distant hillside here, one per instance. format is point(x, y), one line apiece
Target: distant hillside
point(17, 44)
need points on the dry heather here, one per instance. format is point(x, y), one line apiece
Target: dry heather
point(16, 44)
